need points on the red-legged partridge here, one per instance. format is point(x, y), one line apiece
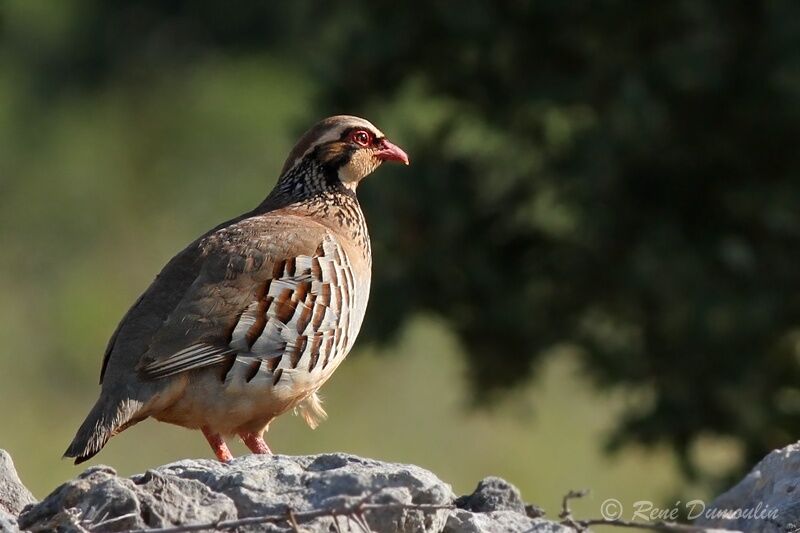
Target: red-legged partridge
point(253, 317)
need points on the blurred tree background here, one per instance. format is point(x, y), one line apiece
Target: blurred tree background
point(596, 244)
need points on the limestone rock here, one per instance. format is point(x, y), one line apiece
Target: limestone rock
point(767, 499)
point(493, 494)
point(205, 491)
point(506, 521)
point(8, 523)
point(13, 494)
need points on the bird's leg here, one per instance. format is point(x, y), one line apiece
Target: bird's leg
point(256, 443)
point(218, 445)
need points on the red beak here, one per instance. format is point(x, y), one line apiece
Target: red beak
point(390, 152)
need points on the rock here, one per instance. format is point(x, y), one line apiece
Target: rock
point(496, 505)
point(767, 499)
point(8, 524)
point(493, 494)
point(205, 491)
point(13, 494)
point(507, 521)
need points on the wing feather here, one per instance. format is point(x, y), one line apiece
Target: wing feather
point(239, 306)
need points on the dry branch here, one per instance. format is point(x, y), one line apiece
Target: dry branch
point(567, 519)
point(354, 511)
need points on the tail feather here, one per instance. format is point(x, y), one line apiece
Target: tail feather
point(106, 419)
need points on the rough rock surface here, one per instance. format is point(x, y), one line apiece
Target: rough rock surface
point(767, 499)
point(8, 524)
point(461, 521)
point(204, 491)
point(13, 494)
point(493, 494)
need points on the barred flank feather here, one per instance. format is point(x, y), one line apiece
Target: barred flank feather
point(105, 420)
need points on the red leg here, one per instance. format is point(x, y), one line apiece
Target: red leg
point(218, 445)
point(256, 443)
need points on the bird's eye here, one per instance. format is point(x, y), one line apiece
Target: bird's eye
point(361, 137)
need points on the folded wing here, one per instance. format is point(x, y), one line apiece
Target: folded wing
point(263, 303)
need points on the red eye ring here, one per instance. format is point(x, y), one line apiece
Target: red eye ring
point(361, 137)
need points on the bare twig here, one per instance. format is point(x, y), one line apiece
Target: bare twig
point(566, 513)
point(104, 522)
point(293, 521)
point(361, 520)
point(336, 523)
point(295, 518)
point(567, 519)
point(652, 526)
point(72, 516)
point(357, 510)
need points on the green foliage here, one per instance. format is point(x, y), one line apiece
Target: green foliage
point(616, 177)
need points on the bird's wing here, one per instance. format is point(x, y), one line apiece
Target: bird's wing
point(264, 289)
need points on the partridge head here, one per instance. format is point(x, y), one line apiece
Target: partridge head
point(250, 319)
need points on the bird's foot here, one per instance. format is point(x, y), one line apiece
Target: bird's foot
point(218, 445)
point(256, 443)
